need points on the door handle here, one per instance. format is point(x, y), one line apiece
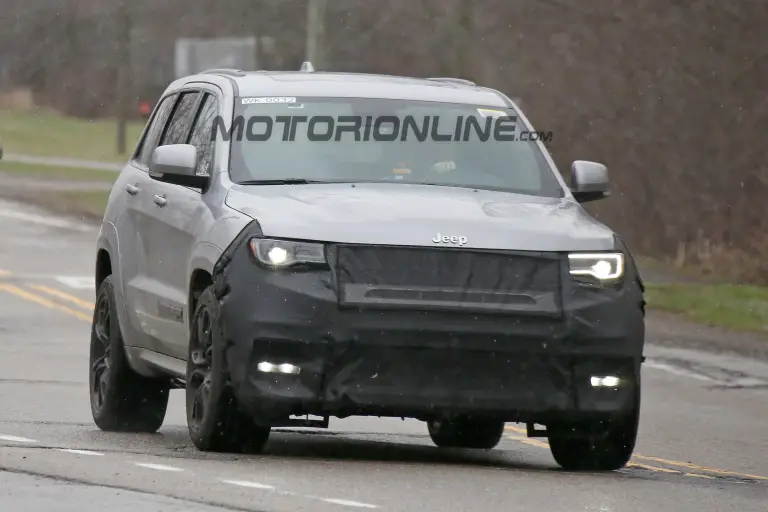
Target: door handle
point(132, 189)
point(160, 200)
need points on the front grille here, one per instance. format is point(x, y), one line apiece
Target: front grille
point(448, 278)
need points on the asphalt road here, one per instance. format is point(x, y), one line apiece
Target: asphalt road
point(702, 446)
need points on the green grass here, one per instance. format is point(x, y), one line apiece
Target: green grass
point(738, 307)
point(46, 134)
point(46, 172)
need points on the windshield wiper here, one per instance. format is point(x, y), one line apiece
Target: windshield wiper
point(285, 181)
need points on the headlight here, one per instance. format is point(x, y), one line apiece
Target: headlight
point(283, 253)
point(601, 266)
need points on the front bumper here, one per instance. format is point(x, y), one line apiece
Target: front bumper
point(409, 363)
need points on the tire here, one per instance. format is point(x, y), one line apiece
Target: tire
point(214, 419)
point(598, 446)
point(121, 399)
point(462, 432)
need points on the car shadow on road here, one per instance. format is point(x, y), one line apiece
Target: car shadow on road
point(321, 445)
point(508, 456)
point(411, 449)
point(362, 448)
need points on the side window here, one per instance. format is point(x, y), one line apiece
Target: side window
point(202, 134)
point(149, 143)
point(181, 120)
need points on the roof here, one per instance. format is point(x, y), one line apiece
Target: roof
point(360, 85)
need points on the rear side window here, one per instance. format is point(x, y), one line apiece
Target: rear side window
point(149, 143)
point(178, 127)
point(202, 134)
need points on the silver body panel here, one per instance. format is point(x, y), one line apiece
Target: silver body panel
point(393, 214)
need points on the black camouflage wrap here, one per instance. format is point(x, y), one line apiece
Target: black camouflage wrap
point(529, 357)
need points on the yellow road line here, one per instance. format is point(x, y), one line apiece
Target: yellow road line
point(526, 440)
point(651, 468)
point(15, 290)
point(700, 468)
point(63, 295)
point(544, 444)
point(699, 476)
point(532, 442)
point(677, 463)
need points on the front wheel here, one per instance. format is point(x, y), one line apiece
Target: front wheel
point(214, 419)
point(463, 432)
point(597, 446)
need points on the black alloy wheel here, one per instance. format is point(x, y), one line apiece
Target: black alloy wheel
point(603, 445)
point(214, 419)
point(121, 399)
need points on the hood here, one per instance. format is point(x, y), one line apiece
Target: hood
point(414, 215)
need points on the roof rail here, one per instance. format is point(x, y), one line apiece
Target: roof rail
point(224, 71)
point(452, 80)
point(307, 67)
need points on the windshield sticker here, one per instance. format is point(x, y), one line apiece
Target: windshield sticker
point(486, 112)
point(251, 101)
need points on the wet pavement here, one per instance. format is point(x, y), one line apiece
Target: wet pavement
point(701, 447)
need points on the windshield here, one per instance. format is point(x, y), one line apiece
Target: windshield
point(357, 140)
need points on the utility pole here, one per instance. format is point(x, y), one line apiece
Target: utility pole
point(316, 47)
point(123, 75)
point(463, 39)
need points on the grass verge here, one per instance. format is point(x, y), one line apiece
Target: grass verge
point(34, 171)
point(87, 204)
point(44, 134)
point(737, 307)
point(671, 272)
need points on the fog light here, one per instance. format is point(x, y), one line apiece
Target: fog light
point(605, 382)
point(268, 367)
point(288, 368)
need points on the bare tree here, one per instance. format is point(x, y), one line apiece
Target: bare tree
point(316, 40)
point(669, 94)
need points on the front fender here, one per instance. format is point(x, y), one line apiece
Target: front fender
point(108, 241)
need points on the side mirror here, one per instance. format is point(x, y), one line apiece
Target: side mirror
point(589, 181)
point(1, 151)
point(176, 164)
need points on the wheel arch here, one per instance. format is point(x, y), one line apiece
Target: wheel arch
point(204, 258)
point(107, 256)
point(198, 282)
point(108, 263)
point(103, 266)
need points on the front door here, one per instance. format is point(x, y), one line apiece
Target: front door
point(159, 312)
point(184, 211)
point(133, 227)
point(179, 211)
